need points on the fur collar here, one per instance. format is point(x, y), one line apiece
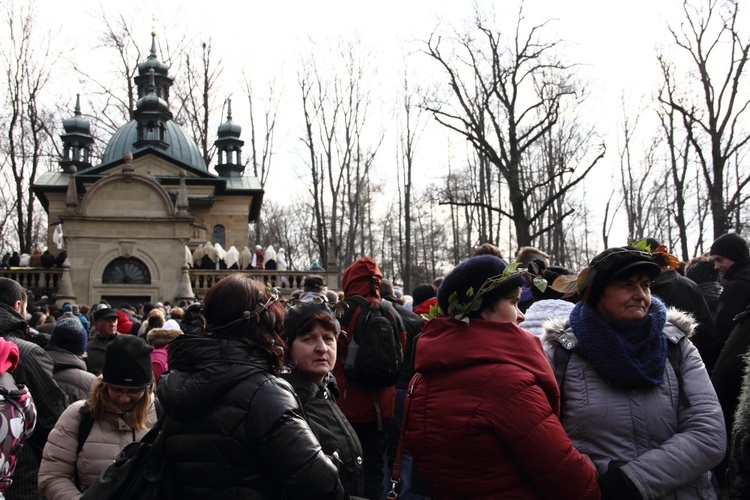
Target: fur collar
point(159, 337)
point(683, 321)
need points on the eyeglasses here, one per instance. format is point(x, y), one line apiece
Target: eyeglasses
point(121, 391)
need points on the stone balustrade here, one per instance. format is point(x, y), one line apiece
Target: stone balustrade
point(39, 280)
point(287, 281)
point(44, 281)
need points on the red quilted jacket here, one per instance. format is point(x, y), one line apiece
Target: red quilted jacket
point(483, 420)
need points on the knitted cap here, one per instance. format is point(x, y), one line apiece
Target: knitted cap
point(127, 362)
point(70, 335)
point(702, 271)
point(471, 275)
point(612, 263)
point(731, 246)
point(297, 316)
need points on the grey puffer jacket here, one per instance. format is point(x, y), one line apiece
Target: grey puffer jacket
point(235, 430)
point(666, 449)
point(70, 373)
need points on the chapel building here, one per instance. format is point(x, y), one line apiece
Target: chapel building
point(130, 221)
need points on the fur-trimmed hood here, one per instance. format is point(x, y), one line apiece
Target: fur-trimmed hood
point(159, 337)
point(683, 321)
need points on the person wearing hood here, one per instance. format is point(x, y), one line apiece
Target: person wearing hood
point(635, 393)
point(66, 346)
point(311, 332)
point(159, 339)
point(228, 414)
point(368, 410)
point(122, 410)
point(481, 414)
point(17, 408)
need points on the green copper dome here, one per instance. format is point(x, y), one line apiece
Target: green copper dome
point(181, 147)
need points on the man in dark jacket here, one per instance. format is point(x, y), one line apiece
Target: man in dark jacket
point(34, 370)
point(731, 256)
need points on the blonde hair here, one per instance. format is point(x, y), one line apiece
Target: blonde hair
point(100, 404)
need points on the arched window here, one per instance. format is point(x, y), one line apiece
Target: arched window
point(126, 271)
point(219, 235)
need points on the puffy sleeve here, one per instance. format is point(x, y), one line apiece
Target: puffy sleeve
point(59, 456)
point(699, 443)
point(286, 443)
point(539, 443)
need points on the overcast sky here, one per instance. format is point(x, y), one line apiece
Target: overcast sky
point(614, 42)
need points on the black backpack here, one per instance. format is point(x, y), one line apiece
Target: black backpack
point(374, 357)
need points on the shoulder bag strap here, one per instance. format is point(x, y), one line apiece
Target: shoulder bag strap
point(396, 471)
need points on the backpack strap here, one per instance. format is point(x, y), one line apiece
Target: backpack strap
point(675, 342)
point(562, 350)
point(85, 425)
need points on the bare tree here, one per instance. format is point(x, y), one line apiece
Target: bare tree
point(711, 100)
point(503, 101)
point(28, 60)
point(340, 148)
point(411, 128)
point(195, 95)
point(262, 137)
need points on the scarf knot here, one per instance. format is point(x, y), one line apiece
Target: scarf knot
point(628, 355)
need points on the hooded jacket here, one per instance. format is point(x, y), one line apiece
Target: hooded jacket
point(16, 405)
point(665, 449)
point(363, 278)
point(235, 430)
point(483, 416)
point(70, 373)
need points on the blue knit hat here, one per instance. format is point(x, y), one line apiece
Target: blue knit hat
point(70, 335)
point(467, 278)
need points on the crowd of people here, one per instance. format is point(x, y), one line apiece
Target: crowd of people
point(624, 380)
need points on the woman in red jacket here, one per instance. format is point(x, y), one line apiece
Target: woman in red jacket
point(484, 404)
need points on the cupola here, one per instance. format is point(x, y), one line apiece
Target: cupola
point(229, 147)
point(76, 141)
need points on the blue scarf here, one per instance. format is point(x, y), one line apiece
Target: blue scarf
point(627, 355)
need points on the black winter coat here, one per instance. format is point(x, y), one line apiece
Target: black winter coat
point(734, 298)
point(34, 370)
point(727, 374)
point(331, 427)
point(711, 291)
point(413, 327)
point(682, 293)
point(235, 430)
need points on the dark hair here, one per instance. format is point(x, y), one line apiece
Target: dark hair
point(11, 292)
point(239, 307)
point(321, 319)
